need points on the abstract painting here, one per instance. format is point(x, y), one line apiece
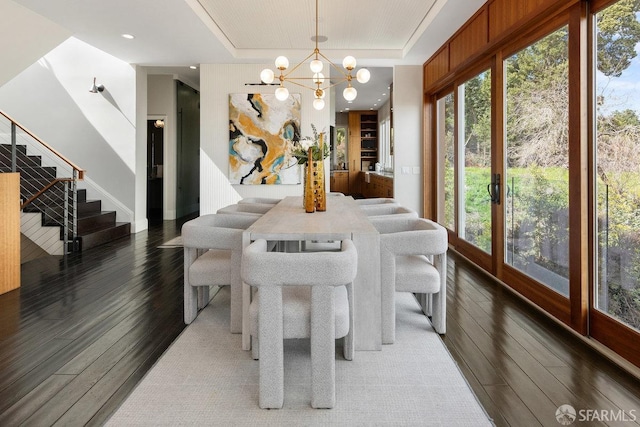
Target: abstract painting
point(262, 130)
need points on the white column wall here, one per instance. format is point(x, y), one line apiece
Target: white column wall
point(407, 128)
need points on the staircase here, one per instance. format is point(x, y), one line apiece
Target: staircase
point(93, 225)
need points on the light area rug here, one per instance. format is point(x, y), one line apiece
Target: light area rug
point(205, 378)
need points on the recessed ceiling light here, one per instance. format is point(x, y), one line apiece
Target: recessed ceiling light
point(379, 99)
point(128, 36)
point(193, 67)
point(375, 105)
point(346, 109)
point(384, 94)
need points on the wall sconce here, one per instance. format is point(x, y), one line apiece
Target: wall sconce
point(96, 89)
point(159, 124)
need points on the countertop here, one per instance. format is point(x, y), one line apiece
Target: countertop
point(384, 174)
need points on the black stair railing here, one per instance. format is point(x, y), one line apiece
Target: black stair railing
point(48, 180)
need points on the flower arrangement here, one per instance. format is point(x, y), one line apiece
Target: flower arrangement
point(301, 148)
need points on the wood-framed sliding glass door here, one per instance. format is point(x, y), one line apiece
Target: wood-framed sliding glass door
point(562, 184)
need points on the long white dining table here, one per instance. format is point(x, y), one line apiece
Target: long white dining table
point(288, 222)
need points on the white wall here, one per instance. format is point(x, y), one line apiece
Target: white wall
point(96, 131)
point(26, 37)
point(216, 83)
point(407, 128)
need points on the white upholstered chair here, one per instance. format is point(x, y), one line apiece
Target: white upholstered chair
point(212, 254)
point(376, 201)
point(260, 200)
point(246, 209)
point(388, 209)
point(413, 258)
point(300, 295)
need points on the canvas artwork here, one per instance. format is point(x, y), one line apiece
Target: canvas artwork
point(261, 135)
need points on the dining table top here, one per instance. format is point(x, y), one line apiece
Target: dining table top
point(288, 220)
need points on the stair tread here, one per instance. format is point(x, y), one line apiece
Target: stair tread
point(99, 237)
point(94, 214)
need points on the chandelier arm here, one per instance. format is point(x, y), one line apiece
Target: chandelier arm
point(298, 65)
point(334, 84)
point(300, 84)
point(334, 65)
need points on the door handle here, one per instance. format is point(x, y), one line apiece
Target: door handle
point(494, 188)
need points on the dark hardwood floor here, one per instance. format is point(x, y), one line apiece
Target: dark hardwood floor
point(81, 332)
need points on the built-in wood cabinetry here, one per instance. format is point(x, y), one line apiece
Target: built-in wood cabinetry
point(378, 186)
point(363, 146)
point(339, 181)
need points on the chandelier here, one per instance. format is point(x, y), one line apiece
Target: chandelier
point(318, 79)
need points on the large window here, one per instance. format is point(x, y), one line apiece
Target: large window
point(617, 109)
point(446, 116)
point(550, 133)
point(537, 123)
point(474, 142)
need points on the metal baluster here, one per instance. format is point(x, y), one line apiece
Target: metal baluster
point(74, 203)
point(65, 216)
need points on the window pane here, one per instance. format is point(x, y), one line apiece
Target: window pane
point(475, 145)
point(445, 142)
point(617, 184)
point(536, 220)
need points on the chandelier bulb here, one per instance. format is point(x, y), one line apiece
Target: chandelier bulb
point(318, 103)
point(282, 93)
point(282, 63)
point(316, 66)
point(363, 75)
point(350, 93)
point(318, 78)
point(349, 62)
point(267, 76)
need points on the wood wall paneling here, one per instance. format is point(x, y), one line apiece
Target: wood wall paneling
point(9, 232)
point(437, 67)
point(471, 40)
point(504, 14)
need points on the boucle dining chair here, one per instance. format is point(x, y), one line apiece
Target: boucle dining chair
point(300, 295)
point(413, 258)
point(246, 209)
point(388, 209)
point(260, 200)
point(376, 201)
point(212, 254)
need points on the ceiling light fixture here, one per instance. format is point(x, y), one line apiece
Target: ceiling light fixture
point(282, 63)
point(128, 36)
